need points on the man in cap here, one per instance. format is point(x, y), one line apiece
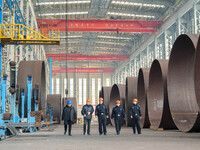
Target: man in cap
point(87, 111)
point(135, 113)
point(118, 114)
point(69, 116)
point(102, 112)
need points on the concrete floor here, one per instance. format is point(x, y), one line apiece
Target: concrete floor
point(52, 138)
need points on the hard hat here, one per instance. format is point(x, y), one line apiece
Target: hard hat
point(100, 99)
point(118, 102)
point(88, 100)
point(135, 100)
point(69, 102)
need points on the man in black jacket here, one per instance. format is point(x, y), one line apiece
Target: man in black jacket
point(69, 116)
point(135, 113)
point(102, 113)
point(87, 111)
point(118, 114)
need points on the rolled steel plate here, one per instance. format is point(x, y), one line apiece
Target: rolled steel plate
point(142, 87)
point(197, 73)
point(131, 93)
point(158, 105)
point(100, 93)
point(106, 98)
point(181, 86)
point(55, 101)
point(74, 102)
point(7, 116)
point(37, 70)
point(117, 93)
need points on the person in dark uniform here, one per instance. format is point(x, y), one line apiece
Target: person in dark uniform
point(87, 111)
point(69, 116)
point(102, 112)
point(135, 113)
point(118, 114)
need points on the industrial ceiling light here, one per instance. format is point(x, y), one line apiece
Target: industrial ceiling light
point(111, 43)
point(71, 36)
point(131, 15)
point(138, 4)
point(63, 2)
point(66, 13)
point(114, 37)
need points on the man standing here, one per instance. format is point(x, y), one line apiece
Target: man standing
point(135, 113)
point(87, 111)
point(118, 114)
point(69, 116)
point(102, 113)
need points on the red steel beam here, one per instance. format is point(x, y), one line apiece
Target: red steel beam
point(82, 70)
point(81, 57)
point(75, 25)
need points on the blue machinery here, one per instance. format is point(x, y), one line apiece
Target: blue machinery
point(14, 6)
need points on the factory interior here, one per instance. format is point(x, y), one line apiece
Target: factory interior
point(99, 74)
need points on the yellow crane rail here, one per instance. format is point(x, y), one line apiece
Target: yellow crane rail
point(19, 34)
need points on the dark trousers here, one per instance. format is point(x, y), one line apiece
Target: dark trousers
point(136, 122)
point(69, 123)
point(87, 122)
point(118, 124)
point(102, 122)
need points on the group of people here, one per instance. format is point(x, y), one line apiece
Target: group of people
point(101, 111)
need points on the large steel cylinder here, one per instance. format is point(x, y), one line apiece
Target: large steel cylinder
point(181, 87)
point(117, 93)
point(55, 101)
point(142, 87)
point(158, 105)
point(37, 70)
point(131, 93)
point(106, 98)
point(100, 93)
point(197, 73)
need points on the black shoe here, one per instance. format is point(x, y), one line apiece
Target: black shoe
point(69, 135)
point(104, 133)
point(65, 133)
point(139, 133)
point(117, 133)
point(100, 133)
point(88, 134)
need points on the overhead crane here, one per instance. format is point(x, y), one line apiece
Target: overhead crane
point(17, 33)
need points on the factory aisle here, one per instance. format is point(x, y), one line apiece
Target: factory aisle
point(52, 138)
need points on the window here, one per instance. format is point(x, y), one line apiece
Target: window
point(80, 91)
point(65, 86)
point(99, 85)
point(84, 90)
point(93, 91)
point(107, 82)
point(52, 88)
point(57, 86)
point(71, 93)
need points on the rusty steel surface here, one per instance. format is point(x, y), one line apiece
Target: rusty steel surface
point(7, 116)
point(117, 93)
point(181, 87)
point(37, 70)
point(197, 73)
point(100, 93)
point(55, 101)
point(74, 102)
point(106, 98)
point(142, 87)
point(158, 105)
point(131, 93)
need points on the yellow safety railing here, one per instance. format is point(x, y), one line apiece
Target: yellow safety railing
point(20, 34)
